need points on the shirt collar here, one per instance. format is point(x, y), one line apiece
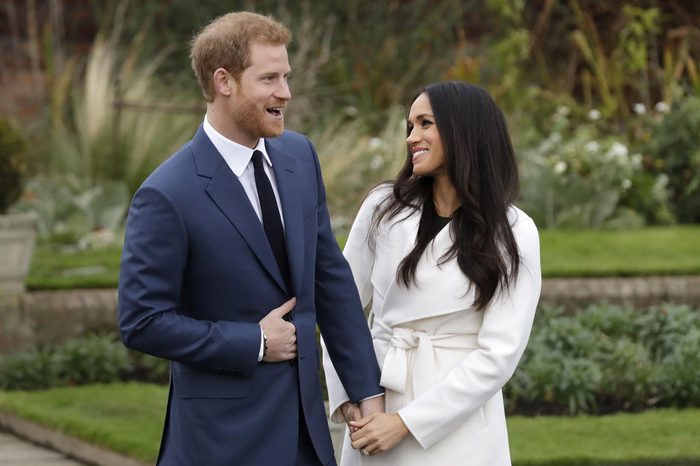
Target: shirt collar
point(236, 155)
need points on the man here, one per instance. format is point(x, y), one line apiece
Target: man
point(229, 262)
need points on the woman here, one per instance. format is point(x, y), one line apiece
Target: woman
point(450, 270)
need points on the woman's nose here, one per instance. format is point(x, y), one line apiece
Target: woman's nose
point(412, 136)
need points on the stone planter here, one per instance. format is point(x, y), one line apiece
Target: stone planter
point(17, 239)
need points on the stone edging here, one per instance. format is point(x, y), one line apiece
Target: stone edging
point(94, 455)
point(639, 291)
point(69, 446)
point(50, 317)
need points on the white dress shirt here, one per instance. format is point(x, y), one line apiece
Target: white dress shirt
point(239, 160)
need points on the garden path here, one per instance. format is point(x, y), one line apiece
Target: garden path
point(17, 452)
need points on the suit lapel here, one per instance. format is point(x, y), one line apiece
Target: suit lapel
point(287, 185)
point(230, 197)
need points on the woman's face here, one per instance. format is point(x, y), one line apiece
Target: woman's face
point(424, 142)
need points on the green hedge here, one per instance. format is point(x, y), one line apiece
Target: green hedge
point(609, 358)
point(601, 359)
point(88, 360)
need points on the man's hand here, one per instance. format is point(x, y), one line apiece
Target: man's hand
point(355, 412)
point(372, 406)
point(281, 335)
point(350, 411)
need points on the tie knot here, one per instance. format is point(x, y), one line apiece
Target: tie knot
point(257, 160)
point(405, 338)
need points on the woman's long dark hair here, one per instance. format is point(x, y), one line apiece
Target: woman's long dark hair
point(481, 165)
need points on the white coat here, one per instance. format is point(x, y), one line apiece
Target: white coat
point(443, 362)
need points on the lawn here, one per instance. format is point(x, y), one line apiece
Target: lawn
point(660, 437)
point(648, 251)
point(124, 417)
point(128, 418)
point(54, 268)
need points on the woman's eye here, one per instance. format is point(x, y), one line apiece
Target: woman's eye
point(425, 123)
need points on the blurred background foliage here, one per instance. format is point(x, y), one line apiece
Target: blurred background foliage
point(602, 100)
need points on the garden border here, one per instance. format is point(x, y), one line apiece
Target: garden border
point(68, 445)
point(51, 317)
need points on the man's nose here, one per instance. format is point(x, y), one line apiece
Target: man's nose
point(283, 92)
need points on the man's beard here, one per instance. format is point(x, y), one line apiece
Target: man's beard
point(252, 120)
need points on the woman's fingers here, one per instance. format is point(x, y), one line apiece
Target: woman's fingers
point(380, 433)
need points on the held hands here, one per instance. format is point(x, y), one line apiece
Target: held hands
point(356, 411)
point(377, 433)
point(281, 335)
point(371, 406)
point(350, 412)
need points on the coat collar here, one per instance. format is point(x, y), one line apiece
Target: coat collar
point(230, 197)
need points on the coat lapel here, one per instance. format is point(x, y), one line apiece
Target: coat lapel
point(230, 197)
point(287, 185)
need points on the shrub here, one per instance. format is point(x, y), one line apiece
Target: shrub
point(680, 378)
point(31, 370)
point(87, 360)
point(579, 177)
point(12, 165)
point(147, 368)
point(609, 358)
point(674, 150)
point(92, 359)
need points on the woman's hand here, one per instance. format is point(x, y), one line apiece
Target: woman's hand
point(377, 433)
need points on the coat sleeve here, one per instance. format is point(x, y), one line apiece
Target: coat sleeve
point(153, 265)
point(361, 260)
point(339, 313)
point(501, 342)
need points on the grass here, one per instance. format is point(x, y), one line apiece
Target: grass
point(125, 417)
point(661, 437)
point(63, 269)
point(128, 418)
point(648, 251)
point(600, 253)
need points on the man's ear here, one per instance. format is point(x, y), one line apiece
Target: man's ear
point(223, 82)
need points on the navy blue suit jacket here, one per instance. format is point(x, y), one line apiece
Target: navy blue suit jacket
point(197, 275)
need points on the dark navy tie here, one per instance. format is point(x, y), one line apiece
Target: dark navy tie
point(270, 215)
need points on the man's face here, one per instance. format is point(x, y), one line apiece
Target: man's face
point(260, 96)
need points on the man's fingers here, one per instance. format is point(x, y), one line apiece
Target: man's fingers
point(284, 309)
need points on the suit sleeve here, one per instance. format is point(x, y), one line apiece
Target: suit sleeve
point(361, 260)
point(150, 289)
point(501, 342)
point(339, 311)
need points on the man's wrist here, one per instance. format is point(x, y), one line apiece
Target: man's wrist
point(372, 405)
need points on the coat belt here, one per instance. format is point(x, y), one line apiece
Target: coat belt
point(401, 340)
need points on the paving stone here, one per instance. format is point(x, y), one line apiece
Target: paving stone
point(17, 452)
